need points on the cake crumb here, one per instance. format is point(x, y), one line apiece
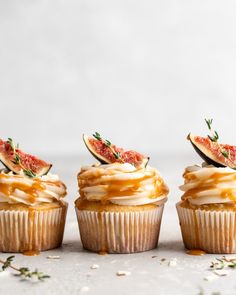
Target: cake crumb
point(53, 257)
point(121, 273)
point(94, 266)
point(173, 262)
point(154, 256)
point(4, 273)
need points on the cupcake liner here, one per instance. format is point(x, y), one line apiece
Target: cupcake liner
point(210, 231)
point(25, 230)
point(120, 232)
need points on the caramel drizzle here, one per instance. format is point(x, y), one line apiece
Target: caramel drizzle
point(209, 183)
point(31, 191)
point(123, 187)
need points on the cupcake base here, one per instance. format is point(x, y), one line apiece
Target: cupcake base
point(213, 231)
point(24, 228)
point(118, 229)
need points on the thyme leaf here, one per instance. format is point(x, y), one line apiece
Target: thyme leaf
point(23, 272)
point(214, 138)
point(29, 173)
point(108, 144)
point(225, 154)
point(8, 262)
point(224, 262)
point(97, 136)
point(214, 134)
point(17, 159)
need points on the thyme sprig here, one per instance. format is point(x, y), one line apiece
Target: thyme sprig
point(17, 158)
point(214, 138)
point(23, 272)
point(224, 262)
point(109, 145)
point(214, 134)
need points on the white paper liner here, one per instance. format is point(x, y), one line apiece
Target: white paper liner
point(120, 232)
point(210, 231)
point(24, 230)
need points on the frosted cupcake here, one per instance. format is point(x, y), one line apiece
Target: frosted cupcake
point(207, 211)
point(32, 213)
point(121, 200)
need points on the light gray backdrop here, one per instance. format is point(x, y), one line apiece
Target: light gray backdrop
point(143, 73)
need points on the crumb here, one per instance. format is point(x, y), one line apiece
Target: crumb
point(154, 256)
point(173, 262)
point(84, 289)
point(94, 266)
point(123, 273)
point(163, 259)
point(4, 273)
point(53, 257)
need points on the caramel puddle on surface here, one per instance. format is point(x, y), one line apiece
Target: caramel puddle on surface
point(195, 252)
point(102, 252)
point(31, 253)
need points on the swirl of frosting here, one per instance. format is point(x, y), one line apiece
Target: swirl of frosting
point(209, 185)
point(30, 191)
point(121, 184)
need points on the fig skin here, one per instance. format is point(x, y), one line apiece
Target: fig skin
point(125, 156)
point(36, 165)
point(213, 152)
point(205, 157)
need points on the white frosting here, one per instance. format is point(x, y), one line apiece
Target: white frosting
point(209, 185)
point(30, 191)
point(122, 184)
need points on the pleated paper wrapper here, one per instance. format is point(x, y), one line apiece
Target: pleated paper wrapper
point(20, 230)
point(210, 231)
point(120, 232)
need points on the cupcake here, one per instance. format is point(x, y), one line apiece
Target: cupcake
point(207, 210)
point(121, 200)
point(32, 213)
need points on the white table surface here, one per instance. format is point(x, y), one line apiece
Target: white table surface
point(72, 273)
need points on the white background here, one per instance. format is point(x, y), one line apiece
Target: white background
point(142, 73)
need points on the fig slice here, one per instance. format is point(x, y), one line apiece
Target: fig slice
point(31, 165)
point(107, 153)
point(214, 153)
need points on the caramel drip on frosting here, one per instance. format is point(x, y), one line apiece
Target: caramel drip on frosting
point(205, 184)
point(109, 183)
point(9, 184)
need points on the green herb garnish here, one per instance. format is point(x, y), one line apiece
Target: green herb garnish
point(23, 272)
point(214, 138)
point(223, 262)
point(17, 159)
point(214, 135)
point(109, 145)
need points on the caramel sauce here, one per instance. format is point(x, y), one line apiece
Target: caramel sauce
point(31, 253)
point(196, 252)
point(31, 190)
point(209, 184)
point(189, 176)
point(102, 252)
point(119, 188)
